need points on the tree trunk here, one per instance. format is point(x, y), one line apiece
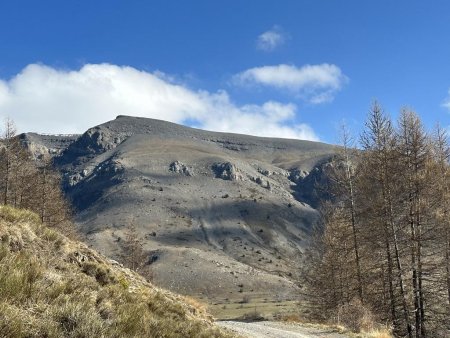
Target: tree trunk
point(447, 262)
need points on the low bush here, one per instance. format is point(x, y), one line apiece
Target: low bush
point(357, 317)
point(253, 316)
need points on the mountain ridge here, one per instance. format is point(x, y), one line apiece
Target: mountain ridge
point(224, 216)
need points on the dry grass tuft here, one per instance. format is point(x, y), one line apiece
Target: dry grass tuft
point(196, 306)
point(382, 333)
point(53, 287)
point(293, 318)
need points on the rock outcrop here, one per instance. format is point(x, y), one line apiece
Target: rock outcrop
point(227, 171)
point(180, 168)
point(44, 147)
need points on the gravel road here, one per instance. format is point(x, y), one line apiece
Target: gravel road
point(268, 329)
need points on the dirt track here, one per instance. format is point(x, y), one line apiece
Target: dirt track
point(268, 329)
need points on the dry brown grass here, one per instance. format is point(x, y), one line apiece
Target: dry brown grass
point(198, 307)
point(366, 329)
point(292, 318)
point(360, 320)
point(51, 286)
point(380, 333)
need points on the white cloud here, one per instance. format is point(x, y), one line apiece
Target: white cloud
point(266, 120)
point(271, 39)
point(49, 100)
point(315, 83)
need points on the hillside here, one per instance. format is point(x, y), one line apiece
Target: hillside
point(222, 217)
point(51, 286)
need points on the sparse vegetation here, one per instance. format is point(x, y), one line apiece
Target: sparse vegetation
point(51, 286)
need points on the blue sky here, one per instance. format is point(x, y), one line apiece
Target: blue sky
point(272, 68)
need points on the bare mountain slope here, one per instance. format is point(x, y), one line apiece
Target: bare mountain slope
point(222, 215)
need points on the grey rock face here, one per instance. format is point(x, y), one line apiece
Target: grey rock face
point(227, 171)
point(313, 187)
point(46, 146)
point(180, 168)
point(297, 175)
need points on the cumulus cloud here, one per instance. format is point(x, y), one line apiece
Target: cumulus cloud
point(315, 83)
point(49, 100)
point(271, 39)
point(269, 119)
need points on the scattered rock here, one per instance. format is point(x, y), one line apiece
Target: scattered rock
point(259, 180)
point(265, 172)
point(180, 168)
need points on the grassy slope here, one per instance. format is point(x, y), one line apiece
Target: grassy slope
point(51, 286)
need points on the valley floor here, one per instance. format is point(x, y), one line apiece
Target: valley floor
point(268, 329)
